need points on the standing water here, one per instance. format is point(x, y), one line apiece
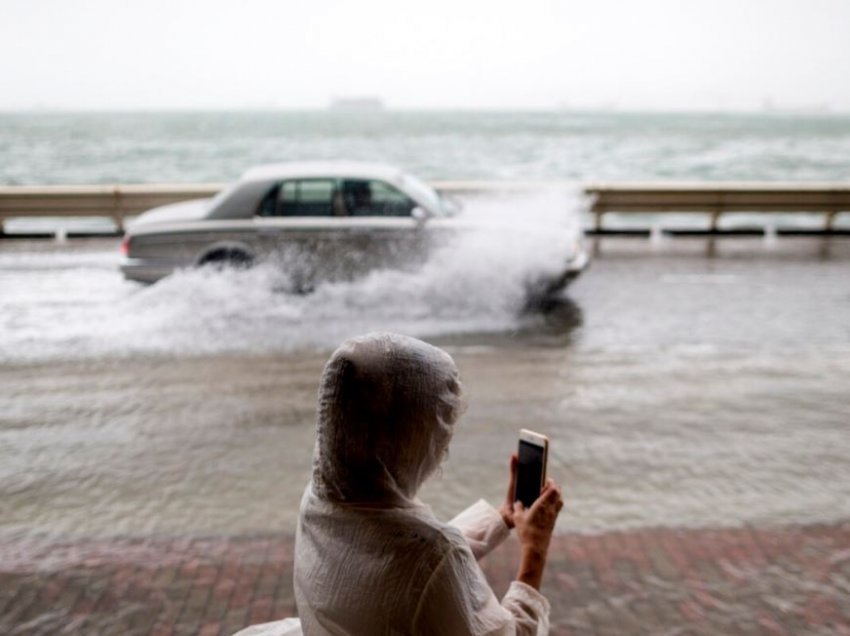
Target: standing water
point(678, 389)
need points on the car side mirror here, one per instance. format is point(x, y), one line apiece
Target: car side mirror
point(419, 214)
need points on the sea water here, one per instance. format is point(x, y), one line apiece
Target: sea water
point(157, 147)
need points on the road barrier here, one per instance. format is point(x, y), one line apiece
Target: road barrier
point(118, 202)
point(716, 199)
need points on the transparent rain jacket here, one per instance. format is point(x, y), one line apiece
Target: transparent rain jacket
point(370, 558)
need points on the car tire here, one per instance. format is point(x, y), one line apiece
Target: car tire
point(227, 258)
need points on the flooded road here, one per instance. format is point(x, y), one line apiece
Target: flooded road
point(677, 390)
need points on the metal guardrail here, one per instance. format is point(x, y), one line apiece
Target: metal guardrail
point(113, 201)
point(714, 199)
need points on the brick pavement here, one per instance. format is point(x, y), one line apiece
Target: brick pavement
point(785, 580)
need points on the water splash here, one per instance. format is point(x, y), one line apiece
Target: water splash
point(477, 282)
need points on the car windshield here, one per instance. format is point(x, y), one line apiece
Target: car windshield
point(425, 193)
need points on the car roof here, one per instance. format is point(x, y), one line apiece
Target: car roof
point(312, 169)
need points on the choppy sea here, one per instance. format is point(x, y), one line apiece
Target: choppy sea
point(155, 147)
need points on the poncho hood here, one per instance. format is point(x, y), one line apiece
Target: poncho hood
point(387, 408)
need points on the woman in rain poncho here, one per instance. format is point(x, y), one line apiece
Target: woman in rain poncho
point(370, 558)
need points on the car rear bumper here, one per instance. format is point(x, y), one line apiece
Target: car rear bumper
point(144, 270)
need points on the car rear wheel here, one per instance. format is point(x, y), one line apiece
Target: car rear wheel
point(227, 258)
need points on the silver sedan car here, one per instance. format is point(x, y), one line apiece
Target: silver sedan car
point(319, 221)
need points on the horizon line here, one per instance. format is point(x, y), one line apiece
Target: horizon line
point(801, 111)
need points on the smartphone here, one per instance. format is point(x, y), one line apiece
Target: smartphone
point(531, 472)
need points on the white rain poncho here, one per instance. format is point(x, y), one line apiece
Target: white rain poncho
point(370, 558)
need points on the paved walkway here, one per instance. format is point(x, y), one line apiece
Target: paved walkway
point(789, 580)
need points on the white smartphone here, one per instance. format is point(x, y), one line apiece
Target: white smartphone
point(531, 473)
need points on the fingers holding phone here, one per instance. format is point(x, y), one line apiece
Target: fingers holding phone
point(535, 525)
point(553, 491)
point(507, 507)
point(534, 528)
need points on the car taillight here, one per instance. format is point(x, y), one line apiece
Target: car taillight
point(125, 245)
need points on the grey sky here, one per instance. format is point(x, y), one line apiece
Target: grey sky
point(629, 54)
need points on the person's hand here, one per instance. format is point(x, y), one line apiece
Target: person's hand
point(534, 528)
point(507, 508)
point(535, 525)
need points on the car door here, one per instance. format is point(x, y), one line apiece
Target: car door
point(383, 232)
point(301, 226)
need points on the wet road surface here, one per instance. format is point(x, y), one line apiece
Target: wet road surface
point(679, 391)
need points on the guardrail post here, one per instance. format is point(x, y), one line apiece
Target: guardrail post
point(117, 209)
point(715, 217)
point(830, 218)
point(598, 211)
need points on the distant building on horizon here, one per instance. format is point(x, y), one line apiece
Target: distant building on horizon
point(357, 104)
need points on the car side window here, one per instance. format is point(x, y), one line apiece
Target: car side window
point(375, 198)
point(301, 197)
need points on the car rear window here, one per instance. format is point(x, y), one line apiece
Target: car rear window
point(301, 197)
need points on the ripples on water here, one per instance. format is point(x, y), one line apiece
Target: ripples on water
point(696, 391)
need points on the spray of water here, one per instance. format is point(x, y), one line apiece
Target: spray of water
point(476, 281)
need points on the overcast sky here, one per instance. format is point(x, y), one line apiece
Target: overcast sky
point(627, 54)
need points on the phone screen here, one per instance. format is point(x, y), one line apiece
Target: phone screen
point(529, 477)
